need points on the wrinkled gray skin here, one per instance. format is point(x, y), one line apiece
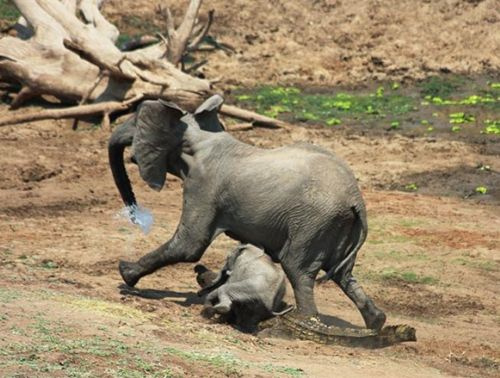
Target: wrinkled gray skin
point(248, 289)
point(300, 204)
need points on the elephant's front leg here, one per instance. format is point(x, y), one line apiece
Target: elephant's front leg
point(193, 236)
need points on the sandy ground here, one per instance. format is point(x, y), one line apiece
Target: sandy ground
point(333, 42)
point(431, 260)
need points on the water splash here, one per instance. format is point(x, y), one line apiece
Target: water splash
point(138, 215)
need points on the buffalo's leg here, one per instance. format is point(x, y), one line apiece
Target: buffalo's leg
point(374, 318)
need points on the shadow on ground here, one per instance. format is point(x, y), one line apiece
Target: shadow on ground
point(189, 298)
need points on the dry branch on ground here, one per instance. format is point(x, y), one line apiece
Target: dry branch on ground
point(58, 54)
point(76, 61)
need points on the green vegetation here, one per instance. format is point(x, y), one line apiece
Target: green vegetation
point(395, 125)
point(329, 109)
point(492, 127)
point(49, 264)
point(292, 372)
point(437, 86)
point(387, 107)
point(411, 187)
point(8, 12)
point(8, 295)
point(461, 117)
point(53, 337)
point(477, 263)
point(471, 100)
point(481, 190)
point(224, 361)
point(392, 274)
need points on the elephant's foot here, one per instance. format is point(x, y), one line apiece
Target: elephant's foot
point(130, 272)
point(374, 318)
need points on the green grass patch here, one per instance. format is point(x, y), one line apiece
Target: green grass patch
point(8, 12)
point(395, 276)
point(330, 109)
point(49, 337)
point(491, 127)
point(290, 371)
point(49, 264)
point(224, 361)
point(132, 373)
point(411, 187)
point(8, 295)
point(440, 86)
point(476, 263)
point(461, 102)
point(392, 274)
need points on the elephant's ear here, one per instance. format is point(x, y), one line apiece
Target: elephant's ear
point(153, 139)
point(206, 114)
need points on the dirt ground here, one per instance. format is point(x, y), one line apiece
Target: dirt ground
point(337, 42)
point(431, 259)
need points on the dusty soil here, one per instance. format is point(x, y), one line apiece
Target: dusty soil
point(332, 42)
point(431, 259)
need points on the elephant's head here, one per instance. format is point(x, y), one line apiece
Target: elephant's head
point(157, 132)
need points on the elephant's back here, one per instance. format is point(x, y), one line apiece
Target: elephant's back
point(255, 264)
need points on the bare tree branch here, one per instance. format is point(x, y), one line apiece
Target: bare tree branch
point(64, 58)
point(201, 32)
point(71, 112)
point(92, 15)
point(73, 60)
point(178, 38)
point(249, 116)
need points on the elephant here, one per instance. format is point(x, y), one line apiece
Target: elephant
point(248, 289)
point(300, 203)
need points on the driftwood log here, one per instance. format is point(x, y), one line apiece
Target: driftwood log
point(75, 59)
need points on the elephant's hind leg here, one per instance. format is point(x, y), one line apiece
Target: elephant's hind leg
point(374, 317)
point(302, 275)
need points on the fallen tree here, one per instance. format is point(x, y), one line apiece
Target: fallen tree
point(75, 60)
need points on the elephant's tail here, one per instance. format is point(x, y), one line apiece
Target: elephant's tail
point(357, 237)
point(122, 137)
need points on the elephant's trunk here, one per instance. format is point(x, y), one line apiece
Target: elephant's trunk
point(120, 174)
point(122, 137)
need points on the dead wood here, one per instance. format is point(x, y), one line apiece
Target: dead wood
point(240, 127)
point(76, 60)
point(65, 56)
point(252, 117)
point(104, 108)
